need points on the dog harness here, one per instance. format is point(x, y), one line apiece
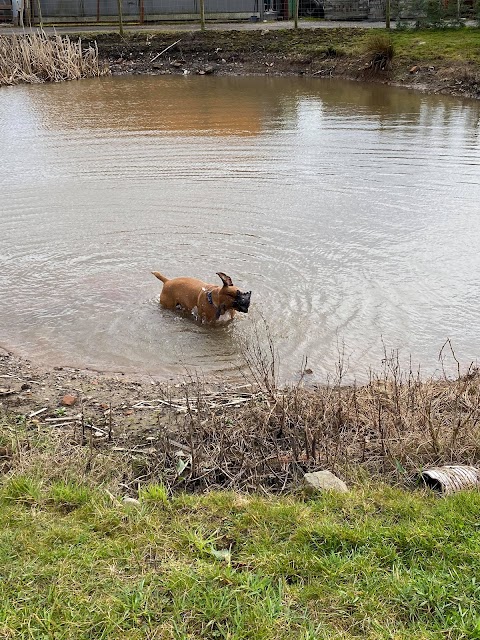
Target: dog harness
point(218, 310)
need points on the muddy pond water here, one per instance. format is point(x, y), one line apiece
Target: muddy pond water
point(351, 211)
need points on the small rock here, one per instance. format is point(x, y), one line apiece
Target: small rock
point(131, 501)
point(414, 69)
point(324, 481)
point(69, 400)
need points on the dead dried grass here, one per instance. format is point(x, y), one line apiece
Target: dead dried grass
point(264, 437)
point(39, 58)
point(392, 427)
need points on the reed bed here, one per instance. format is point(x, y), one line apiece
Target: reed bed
point(39, 58)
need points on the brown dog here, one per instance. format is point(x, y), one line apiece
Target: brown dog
point(206, 302)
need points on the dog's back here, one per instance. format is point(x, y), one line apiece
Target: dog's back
point(180, 292)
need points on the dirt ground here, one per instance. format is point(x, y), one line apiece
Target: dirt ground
point(277, 53)
point(63, 393)
point(114, 407)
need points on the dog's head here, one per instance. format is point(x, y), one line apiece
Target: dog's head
point(231, 297)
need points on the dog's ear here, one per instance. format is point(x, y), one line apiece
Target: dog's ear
point(227, 281)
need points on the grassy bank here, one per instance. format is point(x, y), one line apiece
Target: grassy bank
point(99, 539)
point(410, 45)
point(375, 563)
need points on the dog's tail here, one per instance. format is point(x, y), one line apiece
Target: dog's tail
point(159, 276)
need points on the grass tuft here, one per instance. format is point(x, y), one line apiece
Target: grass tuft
point(21, 489)
point(68, 496)
point(154, 493)
point(380, 52)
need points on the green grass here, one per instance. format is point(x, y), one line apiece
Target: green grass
point(374, 563)
point(422, 45)
point(459, 45)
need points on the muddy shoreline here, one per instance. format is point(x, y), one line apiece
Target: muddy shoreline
point(196, 436)
point(133, 405)
point(314, 53)
point(26, 387)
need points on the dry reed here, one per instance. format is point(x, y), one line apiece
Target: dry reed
point(39, 58)
point(392, 427)
point(259, 436)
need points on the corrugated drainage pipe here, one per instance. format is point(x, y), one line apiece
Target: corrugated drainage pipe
point(451, 478)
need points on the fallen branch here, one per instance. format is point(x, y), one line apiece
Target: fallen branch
point(166, 49)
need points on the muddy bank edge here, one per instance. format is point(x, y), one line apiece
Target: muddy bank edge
point(428, 61)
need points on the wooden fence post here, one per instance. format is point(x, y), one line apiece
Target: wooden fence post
point(120, 17)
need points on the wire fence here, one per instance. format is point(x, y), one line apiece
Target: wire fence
point(434, 13)
point(402, 12)
point(141, 10)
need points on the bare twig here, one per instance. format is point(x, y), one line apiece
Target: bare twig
point(163, 51)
